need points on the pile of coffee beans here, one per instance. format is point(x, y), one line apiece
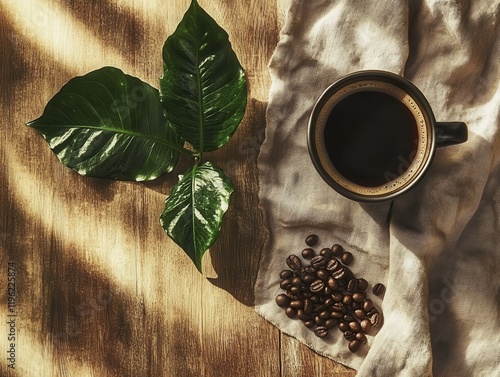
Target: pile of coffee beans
point(324, 294)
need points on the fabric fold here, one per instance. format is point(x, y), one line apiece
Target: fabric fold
point(423, 246)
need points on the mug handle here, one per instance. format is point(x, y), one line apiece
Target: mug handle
point(449, 133)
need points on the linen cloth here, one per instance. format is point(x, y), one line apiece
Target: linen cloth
point(437, 247)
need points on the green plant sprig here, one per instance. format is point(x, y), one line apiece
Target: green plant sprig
point(111, 125)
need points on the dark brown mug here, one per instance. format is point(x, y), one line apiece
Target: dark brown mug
point(372, 135)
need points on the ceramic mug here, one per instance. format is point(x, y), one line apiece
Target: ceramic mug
point(372, 135)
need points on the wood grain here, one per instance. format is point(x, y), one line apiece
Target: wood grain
point(101, 290)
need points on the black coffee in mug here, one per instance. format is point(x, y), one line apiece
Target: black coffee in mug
point(372, 135)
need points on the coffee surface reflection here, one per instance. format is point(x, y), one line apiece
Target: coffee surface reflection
point(368, 135)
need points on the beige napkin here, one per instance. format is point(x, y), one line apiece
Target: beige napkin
point(438, 248)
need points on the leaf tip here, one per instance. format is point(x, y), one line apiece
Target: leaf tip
point(198, 266)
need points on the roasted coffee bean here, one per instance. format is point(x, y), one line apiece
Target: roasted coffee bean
point(377, 319)
point(296, 281)
point(336, 296)
point(303, 316)
point(308, 253)
point(328, 302)
point(361, 337)
point(358, 296)
point(366, 325)
point(362, 284)
point(337, 250)
point(319, 321)
point(352, 286)
point(323, 274)
point(285, 283)
point(359, 313)
point(347, 300)
point(315, 299)
point(309, 324)
point(294, 262)
point(294, 290)
point(346, 258)
point(318, 308)
point(332, 283)
point(312, 240)
point(355, 326)
point(328, 290)
point(296, 304)
point(378, 289)
point(338, 315)
point(282, 300)
point(308, 306)
point(317, 286)
point(308, 278)
point(286, 274)
point(333, 265)
point(321, 331)
point(326, 252)
point(339, 274)
point(367, 305)
point(290, 312)
point(350, 335)
point(338, 307)
point(356, 305)
point(371, 312)
point(318, 261)
point(330, 323)
point(354, 345)
point(343, 326)
point(325, 314)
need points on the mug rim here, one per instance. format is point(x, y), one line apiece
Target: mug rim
point(376, 75)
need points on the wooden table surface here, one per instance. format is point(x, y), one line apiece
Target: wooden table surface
point(100, 288)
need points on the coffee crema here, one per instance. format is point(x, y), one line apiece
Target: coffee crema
point(372, 137)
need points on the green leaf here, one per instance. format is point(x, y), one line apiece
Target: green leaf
point(109, 124)
point(193, 211)
point(203, 87)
